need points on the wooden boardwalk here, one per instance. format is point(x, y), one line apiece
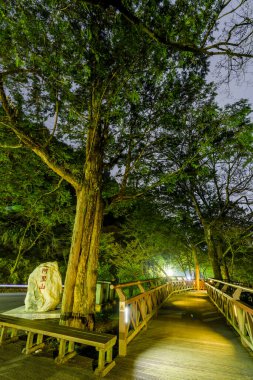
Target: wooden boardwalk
point(189, 340)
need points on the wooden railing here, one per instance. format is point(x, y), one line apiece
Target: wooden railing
point(136, 311)
point(231, 300)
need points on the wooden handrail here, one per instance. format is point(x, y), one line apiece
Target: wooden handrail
point(134, 283)
point(212, 280)
point(239, 315)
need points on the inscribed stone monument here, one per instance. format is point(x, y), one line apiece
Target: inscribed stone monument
point(44, 288)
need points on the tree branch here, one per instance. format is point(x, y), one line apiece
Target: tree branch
point(11, 146)
point(55, 124)
point(232, 10)
point(12, 115)
point(163, 39)
point(20, 251)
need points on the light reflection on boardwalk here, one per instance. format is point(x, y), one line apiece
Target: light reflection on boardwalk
point(189, 340)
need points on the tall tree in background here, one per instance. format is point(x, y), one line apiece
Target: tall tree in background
point(215, 185)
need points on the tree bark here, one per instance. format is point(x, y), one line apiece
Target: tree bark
point(78, 304)
point(212, 253)
point(223, 263)
point(196, 263)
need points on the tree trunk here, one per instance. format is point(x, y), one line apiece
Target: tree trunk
point(196, 263)
point(78, 304)
point(223, 263)
point(212, 253)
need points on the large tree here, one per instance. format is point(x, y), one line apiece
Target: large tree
point(75, 72)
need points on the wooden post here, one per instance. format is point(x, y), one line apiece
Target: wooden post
point(122, 329)
point(62, 351)
point(101, 360)
point(39, 338)
point(122, 323)
point(109, 355)
point(66, 351)
point(103, 368)
point(71, 346)
point(29, 343)
point(3, 335)
point(197, 276)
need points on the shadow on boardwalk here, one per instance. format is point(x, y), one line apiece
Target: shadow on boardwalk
point(189, 340)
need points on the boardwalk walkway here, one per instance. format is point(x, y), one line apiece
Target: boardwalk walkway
point(188, 341)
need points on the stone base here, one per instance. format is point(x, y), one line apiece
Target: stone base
point(20, 312)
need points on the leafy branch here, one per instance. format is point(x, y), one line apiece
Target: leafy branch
point(13, 125)
point(216, 49)
point(20, 249)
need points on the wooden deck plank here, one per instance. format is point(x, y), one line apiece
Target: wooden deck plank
point(189, 340)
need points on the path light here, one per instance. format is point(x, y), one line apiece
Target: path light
point(235, 311)
point(169, 271)
point(127, 314)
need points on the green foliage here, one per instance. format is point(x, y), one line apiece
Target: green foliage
point(138, 246)
point(36, 214)
point(212, 191)
point(241, 265)
point(68, 68)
